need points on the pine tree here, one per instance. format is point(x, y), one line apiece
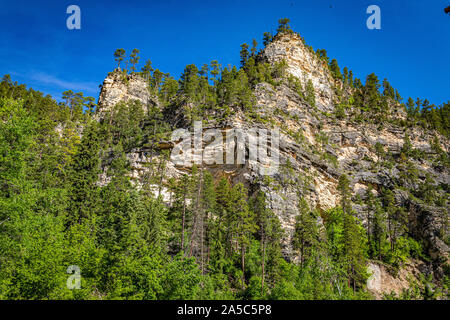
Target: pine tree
point(267, 38)
point(310, 94)
point(371, 93)
point(322, 54)
point(84, 191)
point(388, 90)
point(243, 223)
point(76, 102)
point(134, 59)
point(189, 81)
point(156, 80)
point(398, 97)
point(215, 69)
point(204, 71)
point(119, 55)
point(335, 70)
point(268, 228)
point(283, 26)
point(185, 189)
point(244, 54)
point(169, 88)
point(306, 232)
point(407, 146)
point(370, 202)
point(346, 76)
point(344, 190)
point(221, 235)
point(354, 251)
point(350, 78)
point(147, 69)
point(354, 255)
point(379, 232)
point(254, 48)
point(397, 218)
point(209, 205)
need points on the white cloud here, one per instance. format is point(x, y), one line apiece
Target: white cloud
point(87, 87)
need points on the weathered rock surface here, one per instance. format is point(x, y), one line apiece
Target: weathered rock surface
point(314, 150)
point(120, 87)
point(384, 281)
point(304, 65)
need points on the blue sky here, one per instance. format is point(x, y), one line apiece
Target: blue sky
point(412, 49)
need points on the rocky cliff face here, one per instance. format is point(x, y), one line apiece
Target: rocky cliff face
point(120, 87)
point(304, 65)
point(385, 281)
point(314, 149)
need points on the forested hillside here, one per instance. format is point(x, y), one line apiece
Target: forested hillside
point(362, 185)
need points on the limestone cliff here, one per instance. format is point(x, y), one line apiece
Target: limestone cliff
point(315, 149)
point(118, 87)
point(304, 65)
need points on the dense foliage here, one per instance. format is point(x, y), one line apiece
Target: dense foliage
point(215, 240)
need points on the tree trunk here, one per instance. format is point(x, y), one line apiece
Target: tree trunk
point(243, 266)
point(183, 222)
point(197, 217)
point(263, 267)
point(379, 249)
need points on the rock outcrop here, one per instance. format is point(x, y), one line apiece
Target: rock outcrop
point(385, 281)
point(304, 65)
point(121, 87)
point(315, 148)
